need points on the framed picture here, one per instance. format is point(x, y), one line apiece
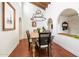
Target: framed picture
point(34, 24)
point(8, 16)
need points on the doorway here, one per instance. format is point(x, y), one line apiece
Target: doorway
point(20, 28)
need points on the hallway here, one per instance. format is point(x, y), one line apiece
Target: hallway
point(59, 19)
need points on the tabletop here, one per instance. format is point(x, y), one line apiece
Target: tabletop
point(34, 34)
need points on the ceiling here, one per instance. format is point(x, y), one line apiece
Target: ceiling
point(69, 12)
point(42, 5)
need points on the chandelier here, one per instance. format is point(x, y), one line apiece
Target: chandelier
point(38, 16)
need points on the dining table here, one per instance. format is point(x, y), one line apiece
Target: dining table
point(34, 36)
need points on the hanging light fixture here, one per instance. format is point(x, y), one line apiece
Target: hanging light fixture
point(38, 16)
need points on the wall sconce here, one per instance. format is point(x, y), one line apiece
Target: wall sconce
point(64, 26)
point(34, 24)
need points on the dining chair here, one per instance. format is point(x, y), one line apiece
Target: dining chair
point(44, 41)
point(29, 39)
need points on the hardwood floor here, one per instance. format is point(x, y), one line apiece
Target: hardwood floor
point(21, 50)
point(56, 51)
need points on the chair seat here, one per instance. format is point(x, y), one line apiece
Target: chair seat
point(30, 40)
point(42, 46)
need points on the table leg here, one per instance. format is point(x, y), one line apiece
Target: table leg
point(33, 47)
point(33, 50)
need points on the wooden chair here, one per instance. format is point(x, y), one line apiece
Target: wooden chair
point(44, 41)
point(29, 39)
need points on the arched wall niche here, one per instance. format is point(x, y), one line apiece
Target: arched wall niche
point(70, 16)
point(50, 24)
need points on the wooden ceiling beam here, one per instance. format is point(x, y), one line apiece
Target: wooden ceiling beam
point(42, 5)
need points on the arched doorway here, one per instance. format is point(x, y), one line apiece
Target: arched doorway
point(71, 19)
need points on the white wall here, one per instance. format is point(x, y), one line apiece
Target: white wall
point(28, 11)
point(73, 23)
point(53, 11)
point(9, 39)
point(68, 43)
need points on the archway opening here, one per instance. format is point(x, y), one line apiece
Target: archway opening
point(68, 22)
